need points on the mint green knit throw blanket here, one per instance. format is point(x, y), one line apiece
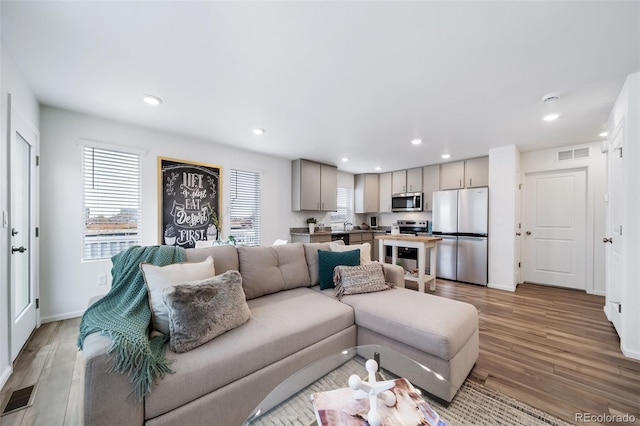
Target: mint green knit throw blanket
point(124, 315)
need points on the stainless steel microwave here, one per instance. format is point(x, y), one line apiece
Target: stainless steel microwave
point(407, 202)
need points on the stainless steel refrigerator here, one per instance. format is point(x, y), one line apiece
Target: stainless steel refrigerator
point(460, 217)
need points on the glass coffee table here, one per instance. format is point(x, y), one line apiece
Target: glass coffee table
point(290, 402)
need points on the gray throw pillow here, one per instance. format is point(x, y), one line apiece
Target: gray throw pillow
point(359, 279)
point(202, 310)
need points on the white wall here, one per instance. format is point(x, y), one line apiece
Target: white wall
point(544, 161)
point(504, 166)
point(67, 283)
point(11, 82)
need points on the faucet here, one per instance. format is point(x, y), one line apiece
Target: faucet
point(349, 225)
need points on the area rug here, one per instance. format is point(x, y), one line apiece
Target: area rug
point(473, 405)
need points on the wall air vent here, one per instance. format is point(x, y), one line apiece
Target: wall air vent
point(581, 153)
point(573, 154)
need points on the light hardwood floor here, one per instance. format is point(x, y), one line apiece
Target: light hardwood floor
point(550, 348)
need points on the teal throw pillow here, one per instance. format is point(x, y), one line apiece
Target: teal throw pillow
point(328, 260)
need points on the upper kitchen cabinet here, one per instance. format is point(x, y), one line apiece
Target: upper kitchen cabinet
point(399, 182)
point(465, 174)
point(476, 172)
point(367, 193)
point(452, 175)
point(430, 184)
point(385, 192)
point(314, 186)
point(407, 180)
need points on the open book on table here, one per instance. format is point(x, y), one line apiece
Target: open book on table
point(339, 407)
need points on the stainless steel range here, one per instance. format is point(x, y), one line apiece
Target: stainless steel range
point(406, 255)
point(413, 227)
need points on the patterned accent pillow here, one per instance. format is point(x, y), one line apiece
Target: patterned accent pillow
point(359, 279)
point(202, 310)
point(328, 260)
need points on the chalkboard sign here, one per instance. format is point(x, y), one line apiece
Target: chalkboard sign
point(189, 202)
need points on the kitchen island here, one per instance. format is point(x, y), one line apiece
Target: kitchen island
point(422, 243)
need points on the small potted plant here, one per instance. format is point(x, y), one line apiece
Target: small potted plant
point(312, 224)
point(170, 235)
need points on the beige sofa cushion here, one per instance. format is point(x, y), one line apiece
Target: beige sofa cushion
point(267, 270)
point(433, 324)
point(225, 258)
point(281, 324)
point(311, 255)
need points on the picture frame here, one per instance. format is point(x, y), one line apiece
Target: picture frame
point(189, 199)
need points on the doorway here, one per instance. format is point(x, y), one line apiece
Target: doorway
point(23, 289)
point(555, 217)
point(613, 237)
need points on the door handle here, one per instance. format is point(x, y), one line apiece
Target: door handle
point(607, 240)
point(518, 234)
point(14, 232)
point(528, 232)
point(18, 249)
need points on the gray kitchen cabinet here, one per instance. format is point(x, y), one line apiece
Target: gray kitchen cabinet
point(452, 175)
point(328, 188)
point(430, 184)
point(414, 179)
point(311, 238)
point(385, 192)
point(399, 181)
point(409, 180)
point(314, 186)
point(367, 193)
point(476, 172)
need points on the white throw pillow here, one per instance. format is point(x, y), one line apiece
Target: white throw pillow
point(365, 250)
point(158, 277)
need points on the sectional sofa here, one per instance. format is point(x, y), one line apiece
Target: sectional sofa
point(292, 323)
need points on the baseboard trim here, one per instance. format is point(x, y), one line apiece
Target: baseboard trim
point(61, 317)
point(629, 353)
point(4, 378)
point(501, 287)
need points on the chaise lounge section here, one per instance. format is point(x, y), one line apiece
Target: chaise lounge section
point(292, 324)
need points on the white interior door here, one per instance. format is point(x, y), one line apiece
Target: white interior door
point(613, 239)
point(555, 228)
point(22, 223)
point(518, 235)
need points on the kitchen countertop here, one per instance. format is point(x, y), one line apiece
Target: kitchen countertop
point(405, 237)
point(330, 232)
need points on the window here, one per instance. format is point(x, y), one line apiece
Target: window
point(245, 207)
point(345, 207)
point(112, 181)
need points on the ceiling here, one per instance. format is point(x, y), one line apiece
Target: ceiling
point(328, 80)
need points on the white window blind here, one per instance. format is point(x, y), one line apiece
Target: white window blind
point(112, 181)
point(245, 207)
point(345, 207)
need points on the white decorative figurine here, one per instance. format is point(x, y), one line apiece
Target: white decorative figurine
point(373, 390)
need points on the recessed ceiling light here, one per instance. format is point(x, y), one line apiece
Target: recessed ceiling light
point(550, 97)
point(604, 134)
point(445, 156)
point(416, 141)
point(551, 117)
point(152, 100)
point(258, 132)
point(345, 159)
point(378, 168)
